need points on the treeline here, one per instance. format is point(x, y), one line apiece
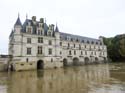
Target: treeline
point(116, 47)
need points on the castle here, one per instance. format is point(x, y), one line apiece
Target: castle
point(36, 45)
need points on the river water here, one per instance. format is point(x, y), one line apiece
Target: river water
point(102, 78)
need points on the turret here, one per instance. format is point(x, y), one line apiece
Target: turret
point(57, 34)
point(17, 38)
point(17, 26)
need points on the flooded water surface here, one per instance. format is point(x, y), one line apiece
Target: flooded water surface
point(104, 78)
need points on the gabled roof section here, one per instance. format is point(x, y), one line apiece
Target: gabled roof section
point(18, 22)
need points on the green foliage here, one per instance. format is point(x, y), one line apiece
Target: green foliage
point(116, 47)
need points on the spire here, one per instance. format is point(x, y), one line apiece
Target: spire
point(56, 29)
point(26, 16)
point(18, 22)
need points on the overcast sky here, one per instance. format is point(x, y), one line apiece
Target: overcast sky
point(90, 18)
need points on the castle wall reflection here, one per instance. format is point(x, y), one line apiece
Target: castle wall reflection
point(82, 79)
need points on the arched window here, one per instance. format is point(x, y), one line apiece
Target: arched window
point(88, 42)
point(70, 53)
point(82, 41)
point(92, 42)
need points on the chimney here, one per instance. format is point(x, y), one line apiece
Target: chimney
point(33, 18)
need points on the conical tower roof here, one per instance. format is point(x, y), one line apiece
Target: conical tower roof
point(56, 29)
point(18, 22)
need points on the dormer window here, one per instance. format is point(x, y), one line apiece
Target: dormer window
point(77, 40)
point(40, 32)
point(40, 25)
point(82, 41)
point(49, 33)
point(88, 42)
point(92, 42)
point(29, 23)
point(29, 30)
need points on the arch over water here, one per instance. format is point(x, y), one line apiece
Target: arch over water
point(65, 62)
point(105, 59)
point(40, 64)
point(86, 60)
point(75, 61)
point(96, 60)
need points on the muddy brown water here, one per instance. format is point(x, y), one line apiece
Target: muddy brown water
point(102, 78)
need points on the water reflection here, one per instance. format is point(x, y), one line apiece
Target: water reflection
point(84, 79)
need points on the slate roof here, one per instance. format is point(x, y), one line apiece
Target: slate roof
point(18, 22)
point(56, 29)
point(63, 36)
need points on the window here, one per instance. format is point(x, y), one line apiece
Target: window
point(29, 30)
point(40, 50)
point(50, 51)
point(60, 53)
point(28, 40)
point(79, 46)
point(40, 40)
point(77, 40)
point(97, 43)
point(71, 39)
point(51, 60)
point(85, 53)
point(95, 52)
point(27, 59)
point(74, 45)
point(40, 32)
point(81, 53)
point(82, 41)
point(60, 43)
point(50, 42)
point(74, 52)
point(85, 46)
point(87, 42)
point(92, 42)
point(49, 33)
point(28, 51)
point(91, 53)
point(100, 43)
point(68, 45)
point(70, 53)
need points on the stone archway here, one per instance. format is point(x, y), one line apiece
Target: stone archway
point(96, 60)
point(65, 62)
point(105, 59)
point(11, 67)
point(86, 60)
point(75, 61)
point(40, 64)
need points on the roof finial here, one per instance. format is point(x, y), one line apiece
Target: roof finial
point(45, 20)
point(56, 24)
point(18, 15)
point(26, 16)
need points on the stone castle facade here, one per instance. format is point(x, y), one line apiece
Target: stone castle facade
point(36, 45)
